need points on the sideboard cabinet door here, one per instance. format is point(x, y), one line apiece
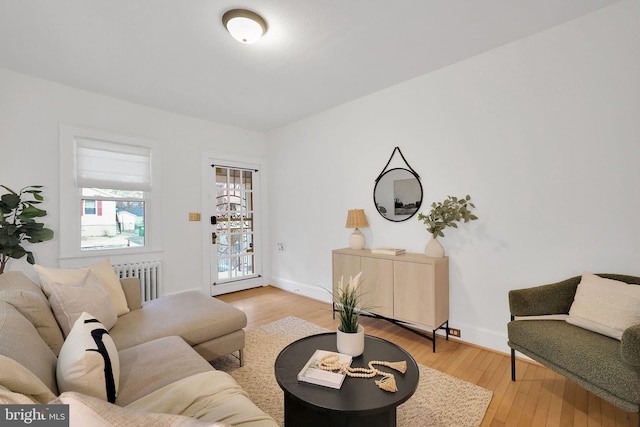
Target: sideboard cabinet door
point(376, 284)
point(410, 288)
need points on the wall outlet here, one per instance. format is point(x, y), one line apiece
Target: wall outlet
point(454, 332)
point(194, 216)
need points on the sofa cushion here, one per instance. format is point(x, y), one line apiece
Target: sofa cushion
point(212, 396)
point(152, 365)
point(20, 341)
point(192, 315)
point(89, 411)
point(18, 385)
point(88, 361)
point(103, 270)
point(579, 352)
point(605, 306)
point(27, 297)
point(69, 301)
point(131, 288)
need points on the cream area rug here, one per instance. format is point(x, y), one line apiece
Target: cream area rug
point(440, 400)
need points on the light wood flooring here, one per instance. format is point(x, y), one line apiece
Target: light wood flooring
point(539, 397)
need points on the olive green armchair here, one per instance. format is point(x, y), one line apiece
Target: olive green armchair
point(605, 366)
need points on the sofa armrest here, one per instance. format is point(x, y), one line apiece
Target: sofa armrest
point(555, 298)
point(131, 288)
point(630, 346)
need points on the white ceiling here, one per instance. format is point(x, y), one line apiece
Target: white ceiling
point(176, 56)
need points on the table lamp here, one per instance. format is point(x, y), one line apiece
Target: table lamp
point(356, 219)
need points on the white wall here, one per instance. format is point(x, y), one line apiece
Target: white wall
point(30, 110)
point(543, 133)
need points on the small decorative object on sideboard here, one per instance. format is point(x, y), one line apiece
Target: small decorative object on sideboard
point(349, 304)
point(442, 215)
point(356, 219)
point(388, 251)
point(17, 223)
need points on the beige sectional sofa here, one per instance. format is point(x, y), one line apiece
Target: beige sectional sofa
point(162, 350)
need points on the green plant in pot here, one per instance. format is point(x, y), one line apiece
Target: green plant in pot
point(17, 223)
point(349, 304)
point(445, 214)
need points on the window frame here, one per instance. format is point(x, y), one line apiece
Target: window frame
point(71, 198)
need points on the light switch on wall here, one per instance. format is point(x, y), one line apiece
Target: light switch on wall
point(194, 216)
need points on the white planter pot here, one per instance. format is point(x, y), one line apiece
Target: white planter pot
point(434, 249)
point(351, 343)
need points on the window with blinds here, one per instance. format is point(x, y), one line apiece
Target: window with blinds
point(114, 181)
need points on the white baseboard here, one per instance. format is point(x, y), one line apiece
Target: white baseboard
point(316, 292)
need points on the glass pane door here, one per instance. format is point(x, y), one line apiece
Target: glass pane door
point(234, 228)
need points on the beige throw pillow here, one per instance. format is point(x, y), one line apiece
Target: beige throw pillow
point(605, 306)
point(88, 362)
point(103, 270)
point(68, 302)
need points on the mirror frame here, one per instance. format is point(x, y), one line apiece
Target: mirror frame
point(419, 203)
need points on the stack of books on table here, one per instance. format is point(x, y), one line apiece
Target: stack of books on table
point(310, 373)
point(387, 251)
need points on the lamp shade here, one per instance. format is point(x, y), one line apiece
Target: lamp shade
point(356, 219)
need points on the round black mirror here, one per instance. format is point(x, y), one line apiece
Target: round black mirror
point(398, 194)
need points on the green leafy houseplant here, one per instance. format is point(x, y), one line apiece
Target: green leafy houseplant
point(17, 223)
point(447, 213)
point(349, 303)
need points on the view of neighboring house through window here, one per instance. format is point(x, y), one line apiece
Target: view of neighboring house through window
point(111, 219)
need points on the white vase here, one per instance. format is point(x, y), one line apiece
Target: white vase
point(350, 343)
point(434, 249)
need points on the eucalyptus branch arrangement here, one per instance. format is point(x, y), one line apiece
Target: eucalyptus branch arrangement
point(17, 223)
point(447, 213)
point(349, 303)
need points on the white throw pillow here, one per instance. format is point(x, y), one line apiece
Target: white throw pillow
point(103, 270)
point(69, 301)
point(88, 362)
point(605, 306)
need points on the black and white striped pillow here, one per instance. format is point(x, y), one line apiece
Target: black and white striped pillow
point(88, 362)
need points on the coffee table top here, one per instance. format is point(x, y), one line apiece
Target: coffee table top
point(357, 395)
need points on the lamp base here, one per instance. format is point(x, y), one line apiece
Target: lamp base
point(356, 240)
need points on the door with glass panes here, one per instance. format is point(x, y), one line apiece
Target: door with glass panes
point(234, 229)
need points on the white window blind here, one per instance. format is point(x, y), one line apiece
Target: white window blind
point(105, 164)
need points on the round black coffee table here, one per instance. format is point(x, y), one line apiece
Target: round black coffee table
point(359, 402)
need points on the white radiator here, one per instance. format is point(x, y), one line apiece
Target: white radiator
point(149, 273)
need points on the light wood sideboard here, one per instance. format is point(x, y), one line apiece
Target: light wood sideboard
point(410, 289)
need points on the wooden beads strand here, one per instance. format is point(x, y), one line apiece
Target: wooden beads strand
point(330, 362)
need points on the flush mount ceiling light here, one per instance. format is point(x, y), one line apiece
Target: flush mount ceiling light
point(244, 25)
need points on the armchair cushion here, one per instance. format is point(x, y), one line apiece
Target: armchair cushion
point(605, 306)
point(578, 353)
